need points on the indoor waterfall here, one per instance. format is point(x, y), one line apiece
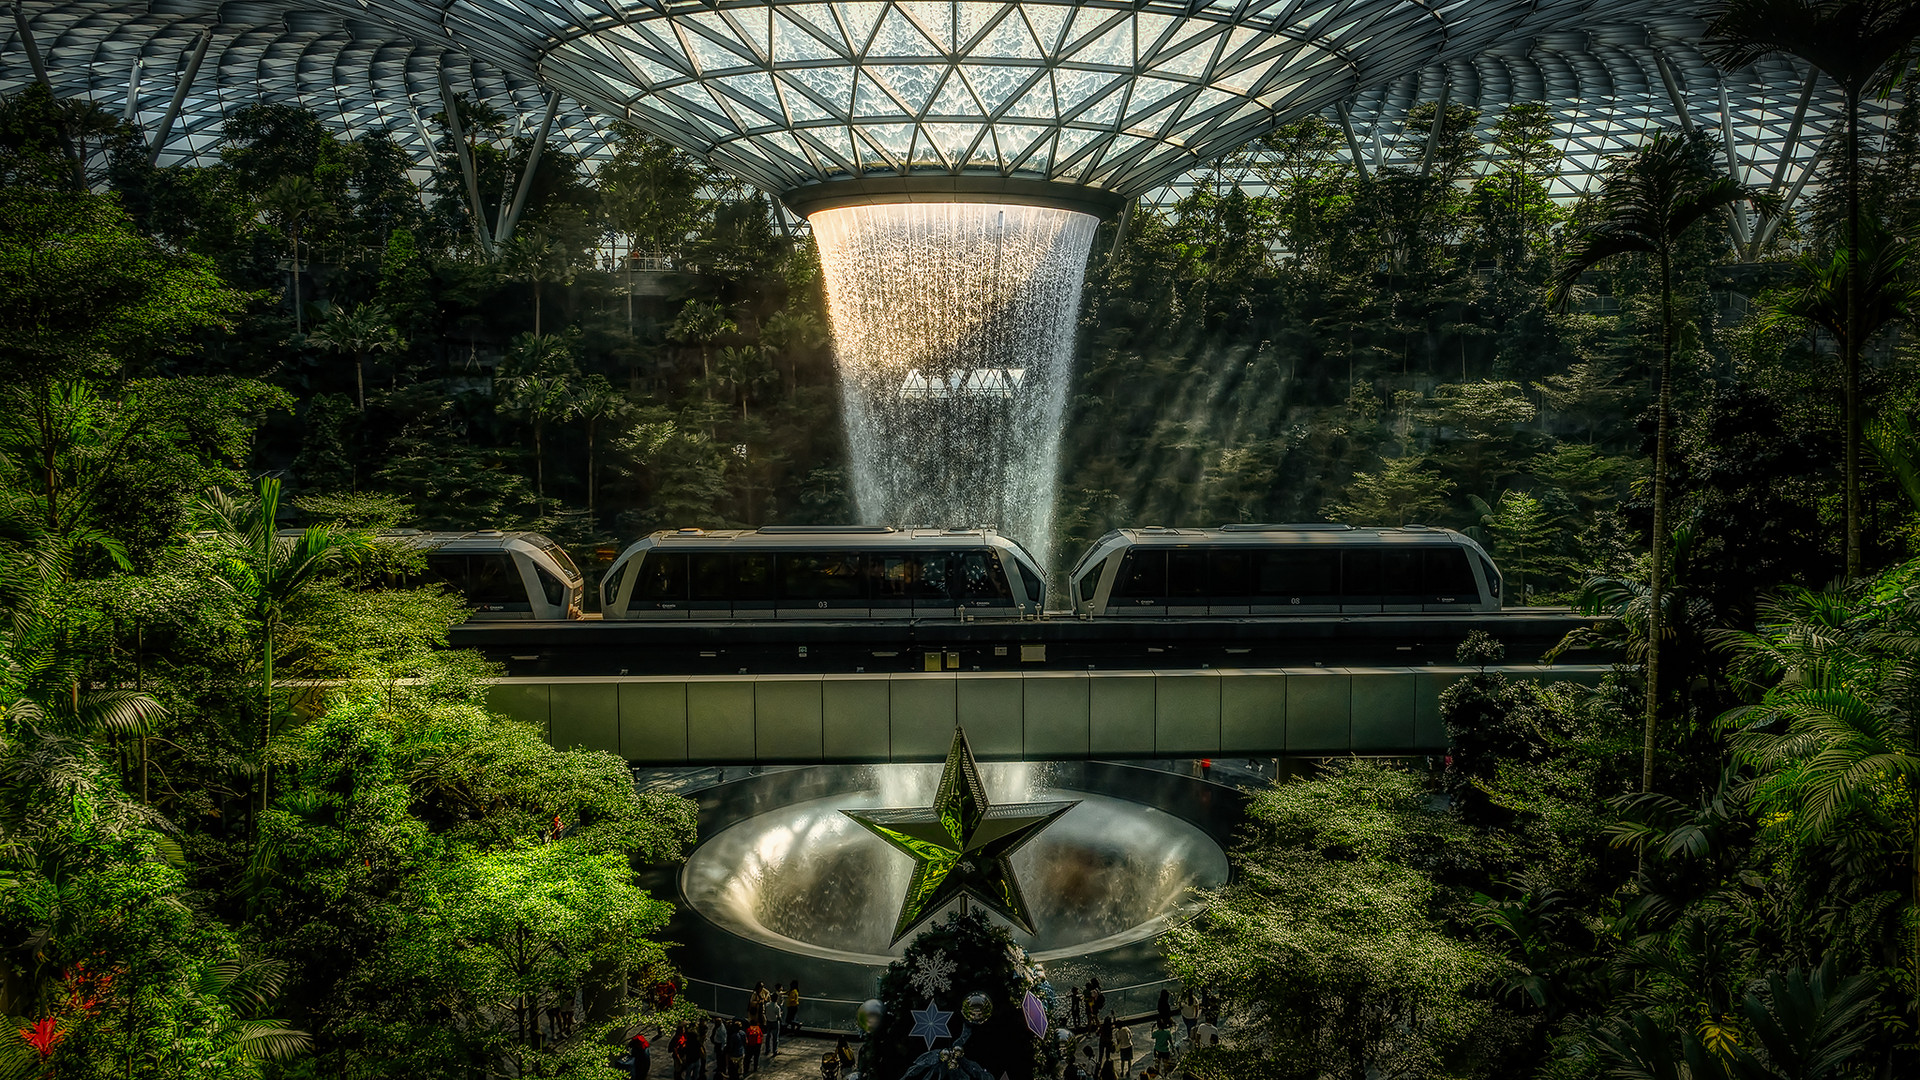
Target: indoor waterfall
point(953, 323)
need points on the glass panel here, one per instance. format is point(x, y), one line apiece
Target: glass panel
point(936, 585)
point(893, 577)
point(831, 575)
point(494, 579)
point(1036, 589)
point(1492, 576)
point(982, 577)
point(560, 556)
point(1187, 573)
point(450, 570)
point(1229, 573)
point(752, 578)
point(1360, 572)
point(552, 586)
point(710, 577)
point(610, 587)
point(1400, 575)
point(1143, 576)
point(1449, 575)
point(662, 577)
point(1302, 574)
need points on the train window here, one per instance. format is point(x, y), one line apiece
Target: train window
point(937, 574)
point(893, 576)
point(560, 556)
point(981, 577)
point(494, 579)
point(552, 586)
point(1036, 589)
point(450, 569)
point(1227, 573)
point(1090, 583)
point(832, 575)
point(610, 589)
point(1142, 576)
point(1401, 575)
point(1493, 576)
point(663, 576)
point(1449, 575)
point(1360, 574)
point(1296, 574)
point(1187, 573)
point(753, 577)
point(709, 576)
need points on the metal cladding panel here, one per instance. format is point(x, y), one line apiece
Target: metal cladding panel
point(925, 708)
point(720, 720)
point(1120, 709)
point(1319, 711)
point(1056, 705)
point(1186, 712)
point(856, 718)
point(653, 721)
point(992, 709)
point(584, 716)
point(787, 718)
point(525, 702)
point(1428, 728)
point(1383, 710)
point(1253, 713)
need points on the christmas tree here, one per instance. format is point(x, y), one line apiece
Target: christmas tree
point(957, 1005)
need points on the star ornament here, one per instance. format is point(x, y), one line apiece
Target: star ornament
point(931, 1024)
point(962, 845)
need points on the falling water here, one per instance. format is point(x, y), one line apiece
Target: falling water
point(954, 324)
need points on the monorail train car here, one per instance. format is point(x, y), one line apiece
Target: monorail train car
point(503, 575)
point(1283, 570)
point(823, 572)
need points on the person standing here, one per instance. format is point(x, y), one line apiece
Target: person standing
point(1206, 1036)
point(1163, 1013)
point(770, 1023)
point(1189, 1012)
point(1163, 1046)
point(1073, 1008)
point(757, 1004)
point(736, 1049)
point(1123, 1044)
point(700, 1042)
point(1096, 1000)
point(640, 1052)
point(719, 1049)
point(846, 1055)
point(679, 1049)
point(793, 1007)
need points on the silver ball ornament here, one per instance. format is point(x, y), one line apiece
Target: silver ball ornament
point(977, 1007)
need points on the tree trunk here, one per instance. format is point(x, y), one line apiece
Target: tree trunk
point(1657, 572)
point(539, 465)
point(536, 307)
point(1851, 346)
point(299, 327)
point(590, 484)
point(360, 378)
point(266, 723)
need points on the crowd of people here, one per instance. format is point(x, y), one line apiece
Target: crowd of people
point(1101, 1046)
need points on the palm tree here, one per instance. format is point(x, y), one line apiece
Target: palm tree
point(359, 332)
point(537, 380)
point(741, 366)
point(291, 204)
point(1839, 726)
point(269, 571)
point(595, 400)
point(534, 257)
point(1856, 43)
point(702, 324)
point(1649, 201)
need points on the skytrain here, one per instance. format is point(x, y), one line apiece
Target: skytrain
point(823, 572)
point(1283, 570)
point(877, 572)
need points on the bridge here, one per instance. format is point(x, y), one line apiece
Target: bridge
point(891, 716)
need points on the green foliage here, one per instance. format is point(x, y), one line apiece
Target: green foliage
point(983, 959)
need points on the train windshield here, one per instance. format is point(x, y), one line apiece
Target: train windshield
point(559, 555)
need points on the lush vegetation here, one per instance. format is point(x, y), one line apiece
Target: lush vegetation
point(256, 820)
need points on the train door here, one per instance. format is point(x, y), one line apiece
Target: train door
point(1294, 580)
point(709, 585)
point(982, 583)
point(751, 588)
point(1140, 588)
point(1229, 587)
point(495, 588)
point(1188, 589)
point(822, 584)
point(659, 586)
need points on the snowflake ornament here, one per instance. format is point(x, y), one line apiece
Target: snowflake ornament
point(933, 974)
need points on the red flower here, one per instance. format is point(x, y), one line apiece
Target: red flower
point(43, 1036)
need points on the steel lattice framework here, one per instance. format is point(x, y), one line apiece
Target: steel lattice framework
point(1123, 98)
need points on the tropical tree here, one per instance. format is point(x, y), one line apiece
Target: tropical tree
point(358, 332)
point(594, 400)
point(742, 367)
point(291, 204)
point(1860, 45)
point(1837, 728)
point(535, 256)
point(269, 572)
point(537, 381)
point(1650, 199)
point(702, 324)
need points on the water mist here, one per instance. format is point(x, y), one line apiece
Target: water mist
point(953, 323)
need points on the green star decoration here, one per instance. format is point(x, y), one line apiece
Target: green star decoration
point(963, 845)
